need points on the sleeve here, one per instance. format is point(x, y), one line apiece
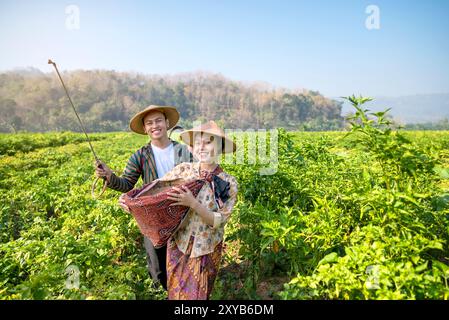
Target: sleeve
point(221, 216)
point(182, 154)
point(179, 171)
point(130, 176)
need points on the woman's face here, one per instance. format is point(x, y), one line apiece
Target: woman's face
point(205, 147)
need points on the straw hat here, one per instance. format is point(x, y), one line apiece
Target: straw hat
point(136, 123)
point(211, 128)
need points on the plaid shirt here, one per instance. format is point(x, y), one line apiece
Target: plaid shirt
point(142, 164)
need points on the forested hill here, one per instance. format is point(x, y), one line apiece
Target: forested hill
point(34, 101)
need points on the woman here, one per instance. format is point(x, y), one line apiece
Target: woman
point(194, 251)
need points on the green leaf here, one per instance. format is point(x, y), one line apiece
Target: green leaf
point(330, 258)
point(435, 245)
point(440, 266)
point(443, 173)
point(421, 267)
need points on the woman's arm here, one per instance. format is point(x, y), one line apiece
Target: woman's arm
point(207, 215)
point(184, 197)
point(214, 219)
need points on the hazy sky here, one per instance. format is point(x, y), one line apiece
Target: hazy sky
point(318, 45)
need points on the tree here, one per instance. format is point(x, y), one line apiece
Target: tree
point(8, 116)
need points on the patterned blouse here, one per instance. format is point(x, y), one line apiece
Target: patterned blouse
point(206, 237)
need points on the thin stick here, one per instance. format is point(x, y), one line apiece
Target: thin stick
point(68, 96)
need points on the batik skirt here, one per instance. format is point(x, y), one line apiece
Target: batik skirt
point(191, 278)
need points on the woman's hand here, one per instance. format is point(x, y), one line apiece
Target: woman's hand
point(122, 204)
point(184, 197)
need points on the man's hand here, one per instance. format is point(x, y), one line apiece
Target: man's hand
point(102, 170)
point(122, 204)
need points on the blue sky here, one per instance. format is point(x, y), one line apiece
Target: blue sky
point(318, 45)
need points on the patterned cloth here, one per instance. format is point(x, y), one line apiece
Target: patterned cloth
point(142, 164)
point(191, 278)
point(206, 237)
point(151, 208)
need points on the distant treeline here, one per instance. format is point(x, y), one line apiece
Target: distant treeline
point(106, 100)
point(440, 125)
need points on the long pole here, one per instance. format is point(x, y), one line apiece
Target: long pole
point(97, 161)
point(71, 103)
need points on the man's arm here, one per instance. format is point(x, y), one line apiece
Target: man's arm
point(129, 177)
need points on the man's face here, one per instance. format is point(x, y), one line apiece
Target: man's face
point(155, 125)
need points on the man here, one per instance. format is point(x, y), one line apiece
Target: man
point(150, 162)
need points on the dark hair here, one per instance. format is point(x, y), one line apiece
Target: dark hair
point(223, 143)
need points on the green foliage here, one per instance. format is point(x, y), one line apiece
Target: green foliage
point(49, 223)
point(24, 142)
point(357, 216)
point(395, 239)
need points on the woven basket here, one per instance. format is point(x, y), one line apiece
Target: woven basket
point(151, 208)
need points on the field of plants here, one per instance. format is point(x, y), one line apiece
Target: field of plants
point(362, 214)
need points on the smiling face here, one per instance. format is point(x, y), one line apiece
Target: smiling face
point(155, 125)
point(206, 147)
